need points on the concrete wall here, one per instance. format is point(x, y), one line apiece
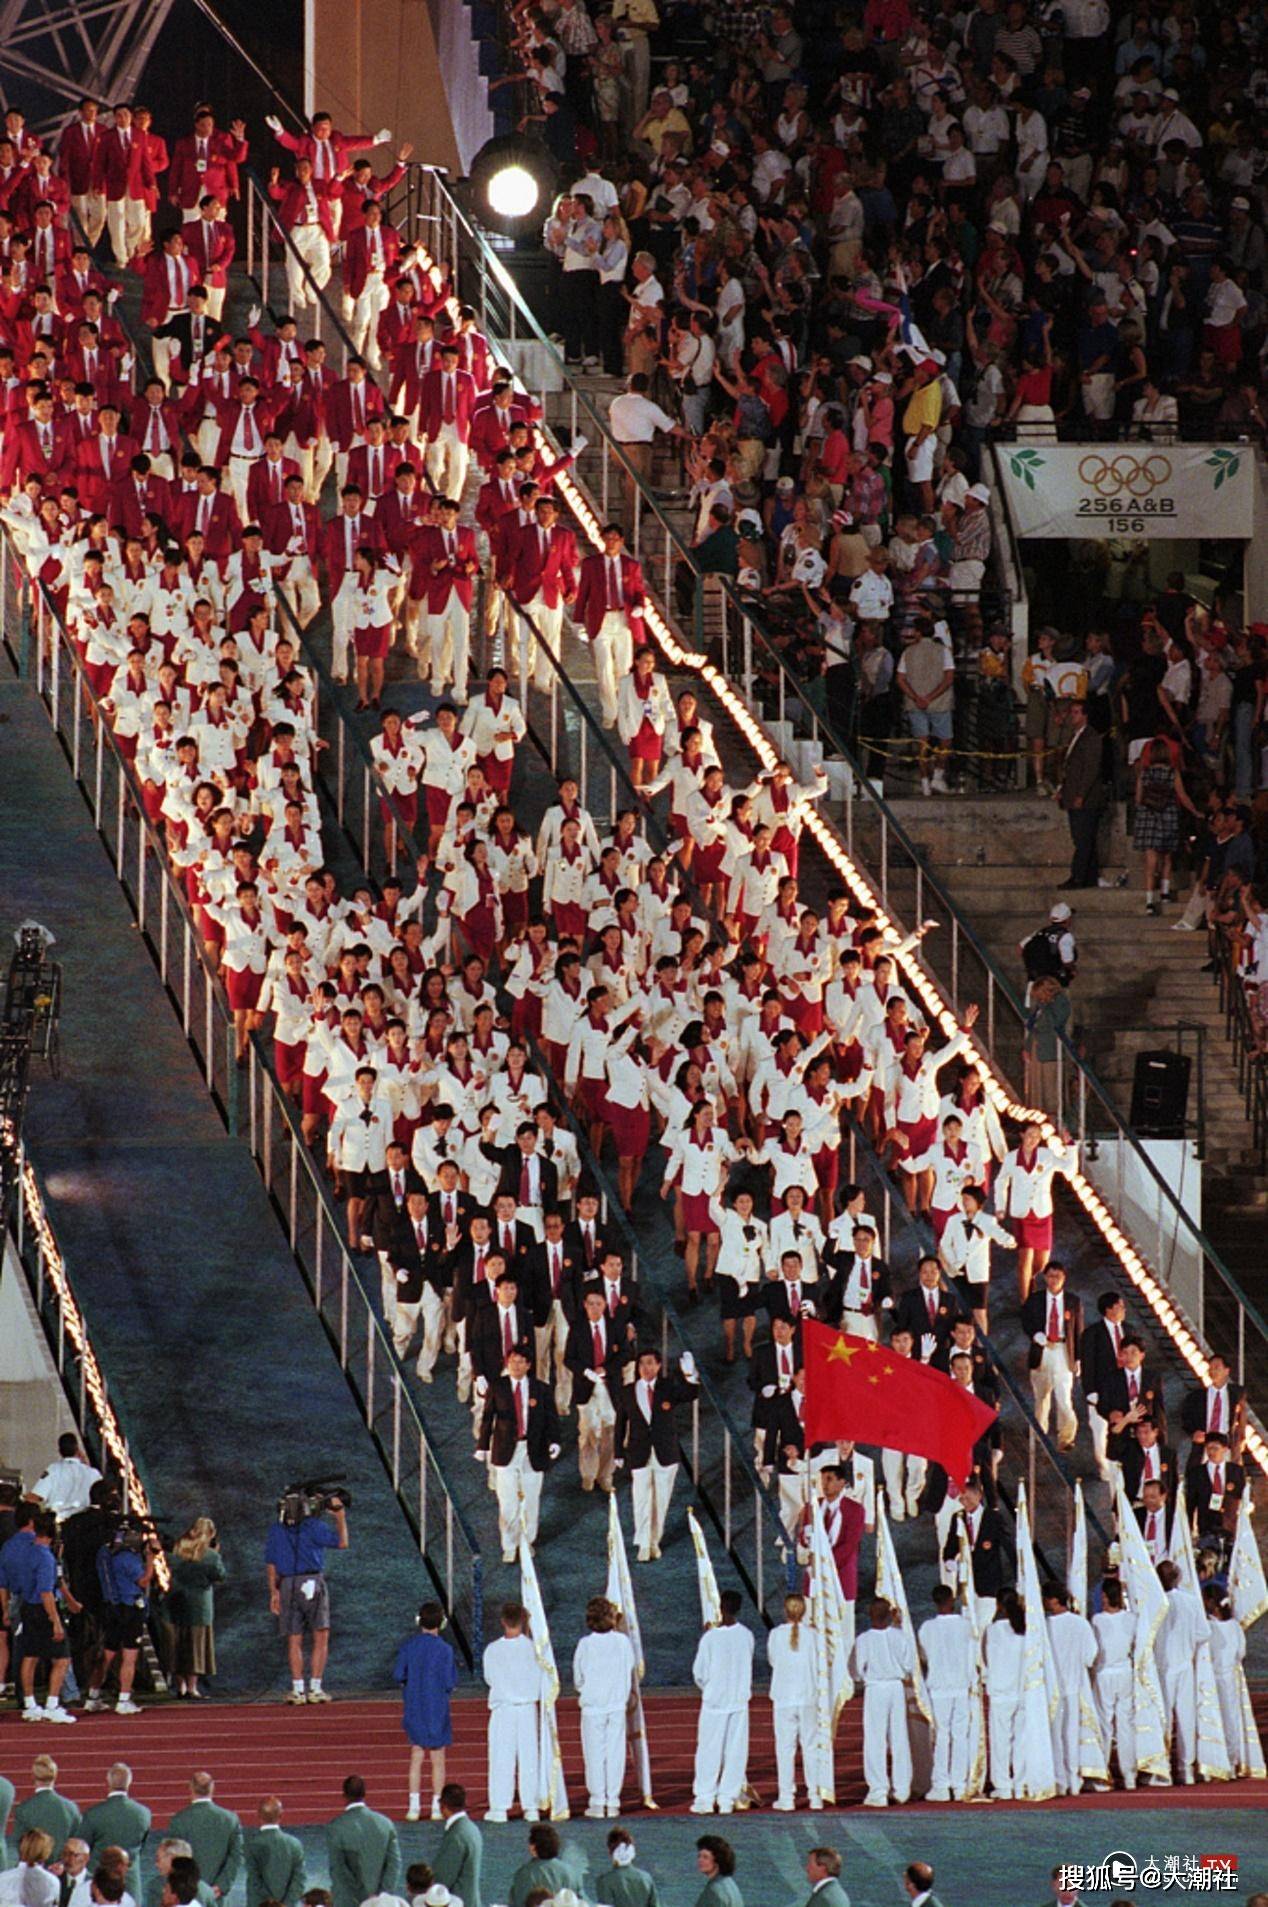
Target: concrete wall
point(401, 64)
point(33, 1409)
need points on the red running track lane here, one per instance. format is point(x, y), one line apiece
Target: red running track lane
point(302, 1755)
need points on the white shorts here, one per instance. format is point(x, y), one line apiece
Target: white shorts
point(920, 459)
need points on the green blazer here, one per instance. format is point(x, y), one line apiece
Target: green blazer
point(364, 1854)
point(275, 1867)
point(118, 1821)
point(458, 1860)
point(49, 1811)
point(215, 1834)
point(191, 1600)
point(7, 1792)
point(721, 1891)
point(626, 1887)
point(552, 1875)
point(831, 1894)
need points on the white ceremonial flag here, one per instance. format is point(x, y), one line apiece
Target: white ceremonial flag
point(550, 1767)
point(1147, 1600)
point(1035, 1773)
point(1213, 1760)
point(710, 1603)
point(620, 1593)
point(831, 1640)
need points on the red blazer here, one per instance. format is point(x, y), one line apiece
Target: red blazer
point(399, 517)
point(339, 416)
point(394, 330)
point(297, 416)
point(127, 172)
point(211, 244)
point(390, 456)
point(35, 191)
point(25, 455)
point(459, 572)
point(845, 1551)
point(473, 356)
point(291, 201)
point(492, 505)
point(341, 144)
point(126, 508)
point(489, 427)
point(270, 366)
point(411, 367)
point(592, 603)
point(264, 486)
point(45, 272)
point(352, 197)
point(186, 184)
point(553, 572)
point(139, 427)
point(278, 526)
point(75, 150)
point(334, 544)
point(153, 273)
point(95, 484)
point(356, 256)
point(229, 416)
point(71, 291)
point(431, 407)
point(223, 534)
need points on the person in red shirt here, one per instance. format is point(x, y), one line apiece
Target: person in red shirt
point(75, 150)
point(446, 408)
point(206, 161)
point(305, 210)
point(210, 242)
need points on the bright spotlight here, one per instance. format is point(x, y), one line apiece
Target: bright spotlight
point(513, 192)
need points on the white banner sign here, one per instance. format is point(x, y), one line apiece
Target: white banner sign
point(1177, 490)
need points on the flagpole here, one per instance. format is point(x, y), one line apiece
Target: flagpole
point(707, 1582)
point(620, 1593)
point(552, 1791)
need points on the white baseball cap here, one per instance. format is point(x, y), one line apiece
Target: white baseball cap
point(981, 491)
point(1061, 911)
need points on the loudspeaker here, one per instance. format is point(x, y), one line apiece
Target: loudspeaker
point(1160, 1095)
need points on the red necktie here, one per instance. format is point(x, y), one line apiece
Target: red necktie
point(1217, 1411)
point(794, 1300)
point(508, 1239)
point(1151, 1528)
point(449, 413)
point(932, 1302)
point(1133, 1387)
point(449, 1210)
point(614, 1298)
point(526, 1185)
point(1217, 1482)
point(420, 1235)
point(598, 1348)
point(521, 1426)
point(508, 1344)
point(1054, 1321)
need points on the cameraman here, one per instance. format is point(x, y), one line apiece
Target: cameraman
point(125, 1569)
point(298, 1595)
point(40, 1622)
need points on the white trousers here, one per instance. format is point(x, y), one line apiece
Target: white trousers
point(216, 302)
point(513, 1735)
point(300, 591)
point(950, 1741)
point(1002, 1738)
point(613, 652)
point(1053, 1383)
point(534, 666)
point(308, 246)
point(449, 643)
point(860, 1325)
point(550, 1340)
point(595, 1434)
point(431, 1311)
point(1065, 1742)
point(519, 1494)
point(721, 1758)
point(90, 209)
point(128, 223)
point(904, 1481)
point(239, 478)
point(1180, 1699)
point(603, 1751)
point(1100, 1439)
point(796, 1728)
point(314, 462)
point(343, 615)
point(446, 462)
point(886, 1745)
point(653, 1487)
point(1116, 1707)
point(162, 351)
point(364, 319)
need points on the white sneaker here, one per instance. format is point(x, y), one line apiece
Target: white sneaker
point(875, 1801)
point(531, 1815)
point(498, 1820)
point(54, 1712)
point(126, 1706)
point(32, 1715)
point(1183, 926)
point(913, 1506)
point(938, 1794)
point(940, 785)
point(435, 1811)
point(413, 1814)
point(784, 1807)
point(319, 1695)
point(93, 1705)
point(926, 786)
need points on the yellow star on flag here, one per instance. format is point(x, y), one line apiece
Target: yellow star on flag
point(841, 1352)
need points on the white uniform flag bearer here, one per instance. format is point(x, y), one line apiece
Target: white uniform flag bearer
point(1034, 1766)
point(1213, 1760)
point(831, 1636)
point(975, 1786)
point(890, 1587)
point(1077, 1572)
point(1148, 1602)
point(550, 1765)
point(620, 1593)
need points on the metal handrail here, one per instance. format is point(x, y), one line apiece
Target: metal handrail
point(1239, 1029)
point(55, 652)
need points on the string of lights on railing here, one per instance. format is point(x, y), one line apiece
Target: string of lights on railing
point(113, 1442)
point(1169, 1314)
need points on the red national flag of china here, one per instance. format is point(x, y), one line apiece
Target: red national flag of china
point(859, 1392)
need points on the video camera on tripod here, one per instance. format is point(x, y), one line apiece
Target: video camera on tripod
point(313, 1497)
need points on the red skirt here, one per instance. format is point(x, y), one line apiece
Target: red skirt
point(569, 918)
point(827, 1165)
point(806, 1015)
point(631, 1129)
point(526, 1018)
point(919, 1133)
point(126, 745)
point(439, 802)
point(1033, 1234)
point(479, 929)
point(152, 797)
point(100, 676)
point(593, 1096)
point(849, 1062)
point(696, 1215)
point(939, 1220)
point(243, 989)
point(289, 1061)
point(706, 867)
point(647, 744)
point(784, 842)
point(514, 912)
point(403, 809)
point(497, 772)
point(314, 1096)
point(372, 645)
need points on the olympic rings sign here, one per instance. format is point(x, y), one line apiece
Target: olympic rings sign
point(1120, 474)
point(1129, 490)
